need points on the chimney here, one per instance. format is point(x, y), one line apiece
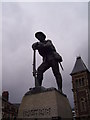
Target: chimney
point(5, 95)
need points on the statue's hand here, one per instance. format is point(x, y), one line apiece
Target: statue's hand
point(34, 46)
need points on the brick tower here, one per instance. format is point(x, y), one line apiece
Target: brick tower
point(81, 89)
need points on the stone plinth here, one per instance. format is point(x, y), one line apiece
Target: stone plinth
point(41, 103)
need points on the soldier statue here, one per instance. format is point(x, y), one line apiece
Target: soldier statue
point(50, 59)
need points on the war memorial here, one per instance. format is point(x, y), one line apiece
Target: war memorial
point(40, 103)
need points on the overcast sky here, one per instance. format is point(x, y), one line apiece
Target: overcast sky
point(66, 24)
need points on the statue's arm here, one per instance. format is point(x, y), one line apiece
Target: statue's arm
point(35, 46)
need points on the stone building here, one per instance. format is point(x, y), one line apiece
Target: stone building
point(81, 89)
point(9, 110)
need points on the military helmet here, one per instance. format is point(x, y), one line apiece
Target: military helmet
point(40, 35)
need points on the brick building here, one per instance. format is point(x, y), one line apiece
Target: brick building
point(81, 89)
point(9, 110)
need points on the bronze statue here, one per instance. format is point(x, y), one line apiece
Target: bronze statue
point(50, 59)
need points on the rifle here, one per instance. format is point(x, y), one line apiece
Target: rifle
point(34, 67)
point(61, 66)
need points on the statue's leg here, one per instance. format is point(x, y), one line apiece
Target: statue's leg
point(57, 74)
point(41, 69)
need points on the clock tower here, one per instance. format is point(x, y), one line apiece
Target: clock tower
point(81, 89)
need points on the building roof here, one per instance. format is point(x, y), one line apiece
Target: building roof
point(79, 66)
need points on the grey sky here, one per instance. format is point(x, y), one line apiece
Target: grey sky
point(66, 24)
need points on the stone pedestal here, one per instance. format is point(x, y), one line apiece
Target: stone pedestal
point(40, 103)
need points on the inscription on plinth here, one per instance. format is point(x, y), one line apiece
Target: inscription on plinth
point(36, 112)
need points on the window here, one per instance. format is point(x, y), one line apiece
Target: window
point(76, 82)
point(82, 81)
point(79, 82)
point(82, 104)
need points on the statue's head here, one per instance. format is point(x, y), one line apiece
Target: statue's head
point(40, 36)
